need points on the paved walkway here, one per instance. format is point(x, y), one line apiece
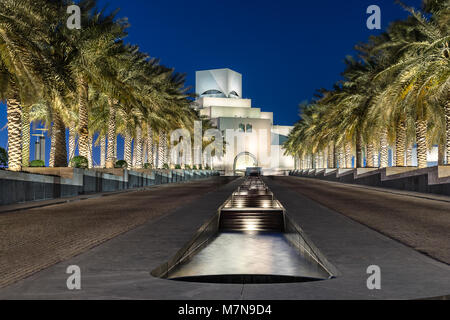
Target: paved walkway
point(420, 221)
point(31, 240)
point(120, 268)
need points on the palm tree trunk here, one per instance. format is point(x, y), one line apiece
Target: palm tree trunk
point(127, 148)
point(376, 159)
point(133, 157)
point(447, 128)
point(409, 155)
point(110, 157)
point(394, 156)
point(138, 147)
point(58, 151)
point(103, 151)
point(162, 149)
point(150, 159)
point(155, 156)
point(384, 149)
point(72, 140)
point(441, 154)
point(51, 159)
point(369, 157)
point(359, 152)
point(331, 155)
point(115, 147)
point(26, 136)
point(341, 157)
point(400, 142)
point(144, 151)
point(90, 153)
point(421, 138)
point(320, 159)
point(335, 156)
point(14, 116)
point(348, 155)
point(166, 149)
point(83, 113)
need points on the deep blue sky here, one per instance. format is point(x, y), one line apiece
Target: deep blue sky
point(284, 49)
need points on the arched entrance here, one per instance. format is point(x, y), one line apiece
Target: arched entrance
point(244, 160)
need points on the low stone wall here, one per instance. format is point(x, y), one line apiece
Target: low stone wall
point(34, 184)
point(427, 180)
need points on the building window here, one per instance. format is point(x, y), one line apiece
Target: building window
point(213, 93)
point(249, 128)
point(233, 94)
point(241, 127)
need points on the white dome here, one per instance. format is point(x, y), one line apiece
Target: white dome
point(219, 83)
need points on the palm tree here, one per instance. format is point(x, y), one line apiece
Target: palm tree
point(422, 73)
point(42, 63)
point(93, 50)
point(132, 68)
point(22, 26)
point(300, 140)
point(58, 153)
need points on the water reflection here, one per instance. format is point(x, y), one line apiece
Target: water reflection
point(249, 253)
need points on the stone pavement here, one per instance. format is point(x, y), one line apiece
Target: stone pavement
point(421, 221)
point(120, 268)
point(34, 239)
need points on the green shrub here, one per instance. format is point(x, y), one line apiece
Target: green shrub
point(79, 162)
point(200, 167)
point(207, 167)
point(121, 164)
point(3, 157)
point(165, 166)
point(177, 166)
point(148, 166)
point(37, 164)
point(187, 167)
point(194, 167)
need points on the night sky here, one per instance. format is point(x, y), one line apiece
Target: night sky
point(285, 50)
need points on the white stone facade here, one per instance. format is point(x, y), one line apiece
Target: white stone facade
point(252, 138)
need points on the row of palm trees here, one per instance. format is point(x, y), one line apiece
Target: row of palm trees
point(87, 80)
point(396, 93)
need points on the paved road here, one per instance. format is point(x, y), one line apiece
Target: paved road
point(34, 239)
point(422, 223)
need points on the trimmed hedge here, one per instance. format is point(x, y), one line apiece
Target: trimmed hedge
point(79, 162)
point(37, 164)
point(121, 164)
